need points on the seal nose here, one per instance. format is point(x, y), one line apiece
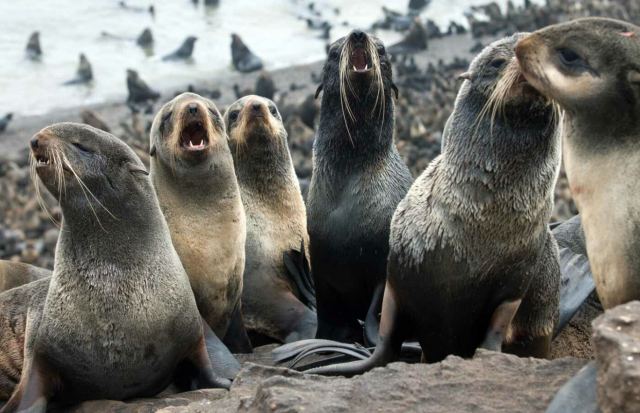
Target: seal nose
point(358, 35)
point(255, 107)
point(193, 108)
point(34, 142)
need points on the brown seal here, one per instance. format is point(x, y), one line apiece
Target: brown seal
point(15, 274)
point(119, 319)
point(591, 68)
point(193, 175)
point(276, 219)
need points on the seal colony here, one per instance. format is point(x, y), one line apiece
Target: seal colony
point(193, 175)
point(276, 220)
point(358, 180)
point(117, 291)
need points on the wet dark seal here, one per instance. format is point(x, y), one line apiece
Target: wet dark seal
point(358, 180)
point(276, 220)
point(244, 60)
point(119, 318)
point(472, 262)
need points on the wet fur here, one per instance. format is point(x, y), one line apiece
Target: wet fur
point(600, 131)
point(202, 205)
point(276, 221)
point(358, 180)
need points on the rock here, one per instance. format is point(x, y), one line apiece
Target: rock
point(616, 341)
point(574, 340)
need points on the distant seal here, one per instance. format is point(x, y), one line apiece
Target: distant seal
point(91, 118)
point(244, 60)
point(34, 51)
point(84, 73)
point(358, 180)
point(185, 50)
point(119, 318)
point(265, 86)
point(472, 262)
point(15, 274)
point(145, 39)
point(591, 68)
point(4, 121)
point(139, 91)
point(193, 174)
point(276, 219)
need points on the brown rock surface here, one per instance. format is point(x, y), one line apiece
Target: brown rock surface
point(616, 340)
point(491, 382)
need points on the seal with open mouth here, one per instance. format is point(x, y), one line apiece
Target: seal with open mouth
point(472, 262)
point(358, 180)
point(118, 318)
point(192, 172)
point(276, 220)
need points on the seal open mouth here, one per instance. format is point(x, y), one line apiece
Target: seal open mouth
point(194, 136)
point(42, 161)
point(360, 61)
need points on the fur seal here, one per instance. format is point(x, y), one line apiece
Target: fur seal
point(4, 121)
point(265, 86)
point(33, 50)
point(193, 174)
point(591, 69)
point(185, 50)
point(145, 39)
point(244, 60)
point(276, 219)
point(14, 274)
point(139, 91)
point(358, 180)
point(472, 262)
point(84, 73)
point(119, 318)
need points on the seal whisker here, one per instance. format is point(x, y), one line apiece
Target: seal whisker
point(38, 192)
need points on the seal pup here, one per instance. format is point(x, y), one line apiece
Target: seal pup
point(33, 49)
point(193, 174)
point(472, 262)
point(84, 74)
point(185, 50)
point(591, 68)
point(244, 60)
point(97, 333)
point(276, 219)
point(15, 274)
point(358, 180)
point(139, 91)
point(4, 121)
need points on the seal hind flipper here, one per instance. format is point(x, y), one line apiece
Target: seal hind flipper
point(291, 350)
point(577, 280)
point(392, 334)
point(299, 273)
point(578, 394)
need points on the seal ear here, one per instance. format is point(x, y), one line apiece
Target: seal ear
point(318, 90)
point(395, 90)
point(152, 151)
point(466, 76)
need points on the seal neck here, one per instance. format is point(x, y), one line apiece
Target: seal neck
point(368, 136)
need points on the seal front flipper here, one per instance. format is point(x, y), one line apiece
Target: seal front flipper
point(223, 362)
point(578, 394)
point(577, 280)
point(237, 339)
point(205, 376)
point(299, 273)
point(499, 324)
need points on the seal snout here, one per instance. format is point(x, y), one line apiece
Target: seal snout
point(194, 132)
point(40, 145)
point(359, 57)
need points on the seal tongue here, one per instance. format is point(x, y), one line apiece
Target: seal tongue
point(359, 60)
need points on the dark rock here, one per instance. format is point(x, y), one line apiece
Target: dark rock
point(616, 340)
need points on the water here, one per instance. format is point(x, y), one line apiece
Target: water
point(271, 28)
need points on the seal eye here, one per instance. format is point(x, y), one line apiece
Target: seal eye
point(273, 111)
point(381, 51)
point(497, 63)
point(568, 57)
point(233, 116)
point(82, 148)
